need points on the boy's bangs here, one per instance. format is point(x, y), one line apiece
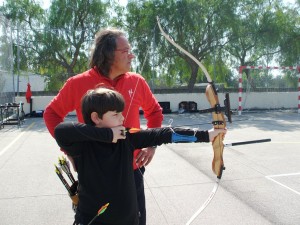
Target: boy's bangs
point(115, 104)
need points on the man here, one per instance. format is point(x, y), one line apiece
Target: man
point(109, 65)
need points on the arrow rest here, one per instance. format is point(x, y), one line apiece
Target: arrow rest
point(218, 109)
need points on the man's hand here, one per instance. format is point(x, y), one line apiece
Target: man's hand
point(145, 156)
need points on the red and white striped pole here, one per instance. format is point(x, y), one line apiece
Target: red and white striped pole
point(298, 93)
point(268, 68)
point(240, 89)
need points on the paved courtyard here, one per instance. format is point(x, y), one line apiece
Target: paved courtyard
point(261, 183)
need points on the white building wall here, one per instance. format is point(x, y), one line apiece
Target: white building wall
point(37, 83)
point(261, 100)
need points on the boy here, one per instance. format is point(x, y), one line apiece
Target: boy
point(102, 151)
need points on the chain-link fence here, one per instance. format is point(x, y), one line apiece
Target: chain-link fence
point(7, 79)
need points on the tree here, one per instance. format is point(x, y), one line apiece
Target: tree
point(258, 30)
point(289, 39)
point(55, 42)
point(198, 26)
point(221, 34)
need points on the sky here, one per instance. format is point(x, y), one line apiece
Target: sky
point(124, 2)
point(45, 3)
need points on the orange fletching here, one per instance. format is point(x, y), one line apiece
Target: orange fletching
point(134, 130)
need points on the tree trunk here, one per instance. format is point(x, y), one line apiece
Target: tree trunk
point(193, 77)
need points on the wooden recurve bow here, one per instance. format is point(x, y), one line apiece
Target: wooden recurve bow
point(218, 123)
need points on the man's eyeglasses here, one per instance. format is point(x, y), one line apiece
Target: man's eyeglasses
point(123, 51)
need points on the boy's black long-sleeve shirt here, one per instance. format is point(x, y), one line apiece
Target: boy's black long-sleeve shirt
point(104, 168)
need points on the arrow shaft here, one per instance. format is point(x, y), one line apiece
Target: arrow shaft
point(248, 142)
point(64, 182)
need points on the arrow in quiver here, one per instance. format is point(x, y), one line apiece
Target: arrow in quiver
point(218, 123)
point(65, 166)
point(72, 189)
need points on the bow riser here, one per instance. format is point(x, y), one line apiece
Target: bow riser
point(218, 123)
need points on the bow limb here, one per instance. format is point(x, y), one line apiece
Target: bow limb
point(184, 51)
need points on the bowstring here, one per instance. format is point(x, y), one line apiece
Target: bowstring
point(148, 186)
point(152, 194)
point(129, 107)
point(206, 203)
point(141, 72)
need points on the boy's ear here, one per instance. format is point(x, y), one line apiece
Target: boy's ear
point(95, 118)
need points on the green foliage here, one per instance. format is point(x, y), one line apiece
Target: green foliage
point(197, 26)
point(223, 35)
point(56, 41)
point(267, 79)
point(289, 38)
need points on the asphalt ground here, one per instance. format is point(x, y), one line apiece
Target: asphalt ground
point(261, 183)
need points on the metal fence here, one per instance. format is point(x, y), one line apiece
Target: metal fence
point(7, 82)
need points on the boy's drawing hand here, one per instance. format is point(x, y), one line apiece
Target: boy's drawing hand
point(118, 133)
point(212, 133)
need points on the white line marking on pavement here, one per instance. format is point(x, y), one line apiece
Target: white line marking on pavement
point(17, 138)
point(281, 184)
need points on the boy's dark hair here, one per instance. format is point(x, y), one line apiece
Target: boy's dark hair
point(100, 100)
point(103, 52)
